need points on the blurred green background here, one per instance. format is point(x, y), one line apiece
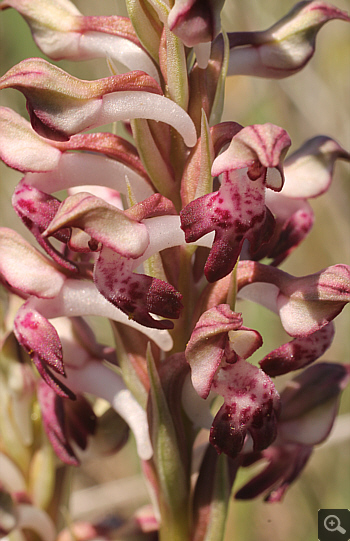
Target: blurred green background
point(315, 101)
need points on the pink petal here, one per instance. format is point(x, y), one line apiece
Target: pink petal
point(310, 403)
point(37, 335)
point(309, 170)
point(35, 275)
point(21, 147)
point(206, 347)
point(264, 144)
point(41, 341)
point(103, 222)
point(36, 209)
point(304, 304)
point(309, 303)
point(195, 21)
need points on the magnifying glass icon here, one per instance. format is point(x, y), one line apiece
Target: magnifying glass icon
point(332, 524)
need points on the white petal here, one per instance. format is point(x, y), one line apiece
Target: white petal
point(75, 169)
point(11, 476)
point(165, 232)
point(97, 44)
point(126, 105)
point(36, 519)
point(97, 379)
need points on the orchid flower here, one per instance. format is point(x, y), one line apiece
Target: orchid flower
point(308, 174)
point(61, 105)
point(285, 48)
point(160, 231)
point(237, 211)
point(197, 23)
point(304, 305)
point(61, 31)
point(309, 404)
point(216, 353)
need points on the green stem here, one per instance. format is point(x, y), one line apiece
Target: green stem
point(182, 327)
point(232, 290)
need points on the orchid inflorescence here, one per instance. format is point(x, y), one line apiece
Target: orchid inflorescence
point(162, 231)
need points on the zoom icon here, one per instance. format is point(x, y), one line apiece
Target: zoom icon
point(334, 525)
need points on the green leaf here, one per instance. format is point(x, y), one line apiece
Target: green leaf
point(173, 482)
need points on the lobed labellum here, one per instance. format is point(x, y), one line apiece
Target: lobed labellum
point(285, 464)
point(251, 405)
point(37, 335)
point(299, 352)
point(235, 212)
point(37, 209)
point(137, 295)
